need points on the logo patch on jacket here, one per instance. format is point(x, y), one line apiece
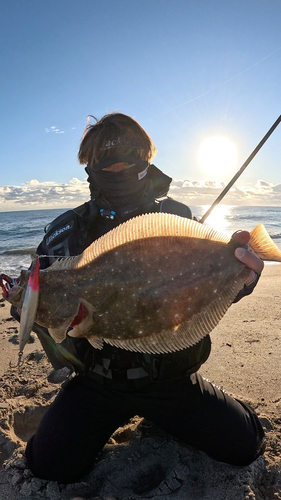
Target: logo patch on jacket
point(59, 231)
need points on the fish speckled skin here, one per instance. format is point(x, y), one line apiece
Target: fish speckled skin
point(157, 283)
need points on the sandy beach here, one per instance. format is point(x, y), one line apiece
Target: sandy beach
point(141, 461)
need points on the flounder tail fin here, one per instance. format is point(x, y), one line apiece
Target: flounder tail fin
point(263, 246)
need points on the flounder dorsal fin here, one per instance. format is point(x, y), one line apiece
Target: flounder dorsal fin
point(263, 246)
point(144, 226)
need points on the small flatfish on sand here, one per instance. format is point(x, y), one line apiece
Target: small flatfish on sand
point(157, 283)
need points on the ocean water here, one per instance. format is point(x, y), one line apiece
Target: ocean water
point(21, 232)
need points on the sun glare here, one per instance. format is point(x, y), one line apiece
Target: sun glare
point(219, 217)
point(217, 155)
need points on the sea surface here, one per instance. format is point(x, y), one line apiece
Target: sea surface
point(21, 232)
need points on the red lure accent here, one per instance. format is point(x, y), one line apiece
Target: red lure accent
point(33, 280)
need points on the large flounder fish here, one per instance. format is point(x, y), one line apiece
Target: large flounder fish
point(157, 283)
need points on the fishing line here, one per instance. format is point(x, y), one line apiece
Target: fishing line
point(55, 256)
point(218, 86)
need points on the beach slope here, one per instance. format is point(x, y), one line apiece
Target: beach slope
point(141, 461)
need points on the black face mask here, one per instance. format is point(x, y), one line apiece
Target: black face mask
point(129, 192)
point(125, 189)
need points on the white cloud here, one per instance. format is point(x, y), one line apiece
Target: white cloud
point(54, 129)
point(34, 195)
point(49, 194)
point(205, 192)
point(33, 182)
point(264, 184)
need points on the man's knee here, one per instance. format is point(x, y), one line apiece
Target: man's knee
point(246, 443)
point(54, 468)
point(254, 446)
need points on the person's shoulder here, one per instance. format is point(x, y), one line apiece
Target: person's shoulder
point(66, 220)
point(88, 209)
point(170, 206)
point(67, 234)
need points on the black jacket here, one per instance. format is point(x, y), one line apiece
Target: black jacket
point(70, 234)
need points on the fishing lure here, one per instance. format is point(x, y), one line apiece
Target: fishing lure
point(29, 307)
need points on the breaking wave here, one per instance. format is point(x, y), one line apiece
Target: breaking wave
point(20, 251)
point(276, 236)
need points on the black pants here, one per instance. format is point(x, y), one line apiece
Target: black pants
point(85, 414)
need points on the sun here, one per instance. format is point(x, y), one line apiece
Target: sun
point(217, 155)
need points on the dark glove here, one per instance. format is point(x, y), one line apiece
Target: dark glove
point(247, 289)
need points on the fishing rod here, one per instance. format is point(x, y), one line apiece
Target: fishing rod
point(234, 179)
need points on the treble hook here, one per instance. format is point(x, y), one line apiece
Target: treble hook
point(20, 358)
point(9, 283)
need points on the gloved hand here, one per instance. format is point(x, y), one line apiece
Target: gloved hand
point(251, 261)
point(246, 256)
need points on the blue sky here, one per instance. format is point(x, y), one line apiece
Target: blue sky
point(186, 70)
